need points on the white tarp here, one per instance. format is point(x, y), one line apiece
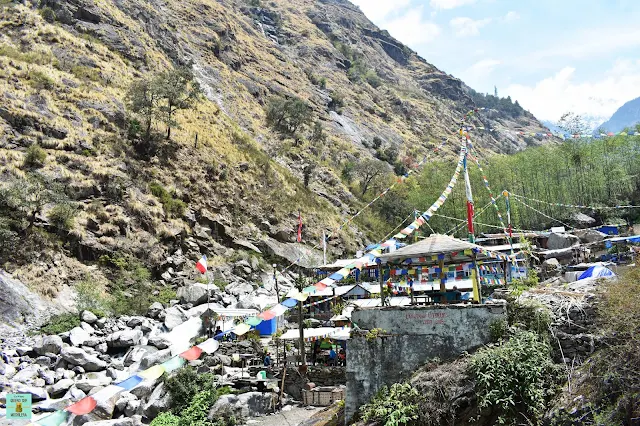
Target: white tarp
point(338, 333)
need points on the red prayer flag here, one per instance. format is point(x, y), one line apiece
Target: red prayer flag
point(299, 227)
point(266, 315)
point(320, 286)
point(192, 354)
point(84, 406)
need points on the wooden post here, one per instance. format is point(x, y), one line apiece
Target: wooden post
point(196, 143)
point(381, 278)
point(475, 279)
point(303, 358)
point(505, 263)
point(443, 276)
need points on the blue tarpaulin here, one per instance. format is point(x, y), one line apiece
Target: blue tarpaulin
point(609, 229)
point(596, 272)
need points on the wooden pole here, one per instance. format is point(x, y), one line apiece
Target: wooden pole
point(443, 276)
point(284, 375)
point(505, 263)
point(303, 358)
point(475, 279)
point(381, 279)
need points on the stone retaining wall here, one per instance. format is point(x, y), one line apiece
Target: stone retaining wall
point(409, 337)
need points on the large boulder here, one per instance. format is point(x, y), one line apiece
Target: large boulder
point(159, 401)
point(77, 356)
point(37, 393)
point(250, 404)
point(103, 411)
point(48, 345)
point(551, 267)
point(292, 252)
point(239, 289)
point(582, 219)
point(124, 338)
point(155, 357)
point(18, 304)
point(156, 310)
point(60, 387)
point(78, 336)
point(195, 293)
point(159, 342)
point(88, 381)
point(561, 241)
point(135, 355)
point(591, 236)
point(28, 374)
point(174, 316)
point(89, 317)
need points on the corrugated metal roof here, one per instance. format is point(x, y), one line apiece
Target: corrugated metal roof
point(432, 245)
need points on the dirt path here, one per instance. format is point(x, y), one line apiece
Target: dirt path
point(292, 417)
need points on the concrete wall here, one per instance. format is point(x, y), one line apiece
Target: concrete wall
point(413, 336)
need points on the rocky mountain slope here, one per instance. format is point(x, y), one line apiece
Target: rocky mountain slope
point(627, 116)
point(225, 184)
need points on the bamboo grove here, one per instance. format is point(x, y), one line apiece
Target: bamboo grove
point(592, 172)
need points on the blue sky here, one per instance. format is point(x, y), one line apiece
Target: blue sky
point(553, 56)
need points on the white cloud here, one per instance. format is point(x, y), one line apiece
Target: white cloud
point(464, 27)
point(589, 43)
point(411, 29)
point(597, 100)
point(484, 67)
point(377, 10)
point(511, 16)
point(449, 4)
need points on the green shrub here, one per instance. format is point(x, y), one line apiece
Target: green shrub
point(35, 156)
point(166, 419)
point(184, 386)
point(520, 285)
point(195, 414)
point(62, 216)
point(531, 316)
point(48, 14)
point(173, 207)
point(131, 291)
point(374, 333)
point(60, 324)
point(398, 405)
point(40, 81)
point(90, 298)
point(32, 57)
point(85, 73)
point(516, 379)
point(288, 116)
point(337, 102)
point(498, 329)
point(614, 377)
point(165, 296)
point(373, 79)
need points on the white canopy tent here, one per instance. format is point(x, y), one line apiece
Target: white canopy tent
point(337, 333)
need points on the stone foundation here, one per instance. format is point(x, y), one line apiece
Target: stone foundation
point(407, 338)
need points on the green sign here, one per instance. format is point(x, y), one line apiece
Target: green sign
point(19, 406)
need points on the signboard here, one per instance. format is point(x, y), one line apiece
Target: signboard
point(19, 406)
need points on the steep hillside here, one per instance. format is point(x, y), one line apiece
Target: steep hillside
point(627, 116)
point(225, 179)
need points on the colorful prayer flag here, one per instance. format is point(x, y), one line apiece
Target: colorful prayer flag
point(202, 265)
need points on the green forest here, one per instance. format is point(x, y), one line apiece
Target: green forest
point(592, 172)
